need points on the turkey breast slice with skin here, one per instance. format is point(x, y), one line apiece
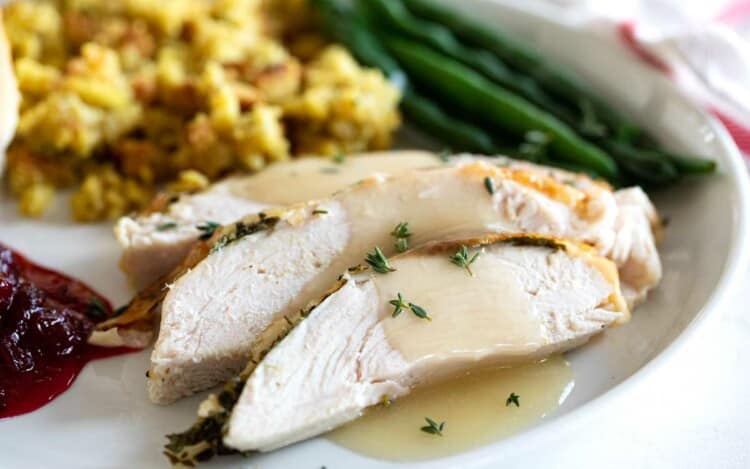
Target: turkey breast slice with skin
point(214, 312)
point(527, 297)
point(150, 251)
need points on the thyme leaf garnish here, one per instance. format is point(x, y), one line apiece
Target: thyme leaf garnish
point(401, 230)
point(419, 311)
point(207, 229)
point(461, 258)
point(166, 226)
point(242, 229)
point(329, 170)
point(432, 427)
point(378, 261)
point(402, 235)
point(402, 245)
point(513, 399)
point(319, 211)
point(96, 309)
point(399, 305)
point(489, 184)
point(340, 158)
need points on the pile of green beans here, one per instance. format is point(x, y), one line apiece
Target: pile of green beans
point(448, 65)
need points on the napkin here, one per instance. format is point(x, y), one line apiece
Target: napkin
point(704, 46)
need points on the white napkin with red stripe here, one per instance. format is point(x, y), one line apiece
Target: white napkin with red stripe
point(703, 45)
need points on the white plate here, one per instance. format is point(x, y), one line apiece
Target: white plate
point(105, 420)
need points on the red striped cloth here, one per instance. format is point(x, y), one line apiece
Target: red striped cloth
point(736, 15)
point(739, 133)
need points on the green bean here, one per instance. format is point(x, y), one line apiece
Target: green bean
point(644, 166)
point(396, 16)
point(526, 59)
point(682, 164)
point(654, 165)
point(402, 20)
point(438, 124)
point(691, 164)
point(465, 87)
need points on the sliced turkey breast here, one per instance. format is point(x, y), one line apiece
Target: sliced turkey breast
point(637, 231)
point(151, 251)
point(215, 310)
point(522, 298)
point(155, 242)
point(638, 227)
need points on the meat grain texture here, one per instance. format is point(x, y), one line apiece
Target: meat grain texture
point(214, 312)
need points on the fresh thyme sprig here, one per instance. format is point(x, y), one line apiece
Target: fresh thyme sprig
point(461, 258)
point(166, 226)
point(379, 262)
point(401, 230)
point(402, 235)
point(207, 229)
point(432, 427)
point(399, 305)
point(489, 184)
point(513, 399)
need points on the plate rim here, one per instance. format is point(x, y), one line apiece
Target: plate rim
point(729, 280)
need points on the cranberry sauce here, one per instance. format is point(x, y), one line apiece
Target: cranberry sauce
point(45, 320)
